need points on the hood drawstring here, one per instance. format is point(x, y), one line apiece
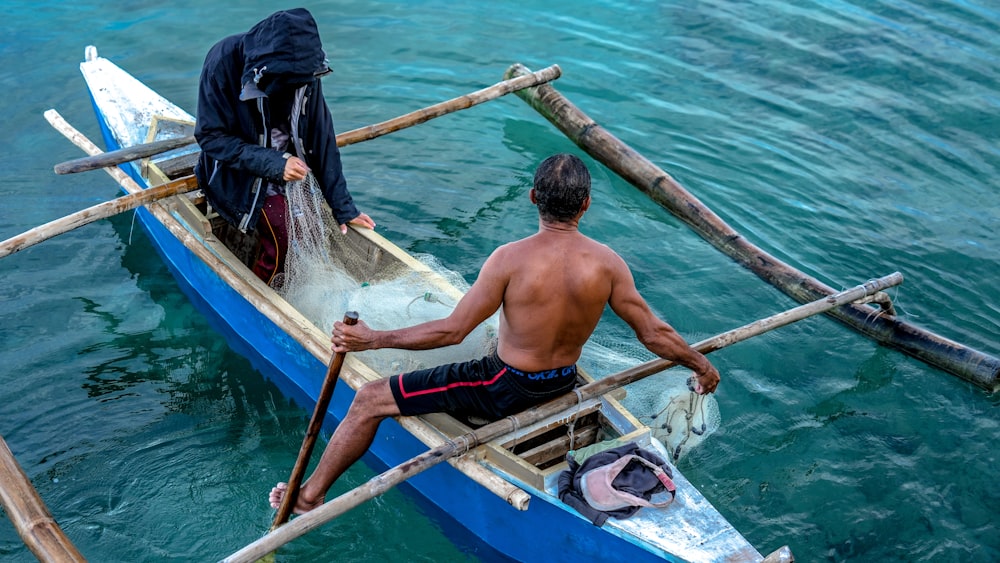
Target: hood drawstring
point(298, 110)
point(258, 74)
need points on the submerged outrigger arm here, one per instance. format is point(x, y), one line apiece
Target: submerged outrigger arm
point(969, 364)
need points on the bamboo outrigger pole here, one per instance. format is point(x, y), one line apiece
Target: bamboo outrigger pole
point(952, 357)
point(562, 405)
point(100, 211)
point(33, 521)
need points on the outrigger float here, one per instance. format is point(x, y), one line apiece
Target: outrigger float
point(500, 479)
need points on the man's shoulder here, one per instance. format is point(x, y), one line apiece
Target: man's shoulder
point(596, 246)
point(517, 248)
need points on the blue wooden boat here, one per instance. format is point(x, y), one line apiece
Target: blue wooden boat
point(503, 492)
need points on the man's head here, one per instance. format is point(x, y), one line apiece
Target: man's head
point(283, 51)
point(561, 187)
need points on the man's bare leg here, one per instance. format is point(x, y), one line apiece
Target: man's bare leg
point(351, 439)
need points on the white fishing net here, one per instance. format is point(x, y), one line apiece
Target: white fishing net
point(677, 416)
point(328, 274)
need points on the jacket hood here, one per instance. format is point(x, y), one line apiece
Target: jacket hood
point(284, 48)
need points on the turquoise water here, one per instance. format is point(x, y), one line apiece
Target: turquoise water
point(850, 140)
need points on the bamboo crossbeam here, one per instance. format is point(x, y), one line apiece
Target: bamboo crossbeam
point(31, 519)
point(128, 154)
point(121, 156)
point(960, 360)
point(513, 84)
point(563, 405)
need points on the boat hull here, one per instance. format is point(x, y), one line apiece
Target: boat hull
point(547, 531)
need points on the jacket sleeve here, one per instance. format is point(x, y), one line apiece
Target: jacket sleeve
point(323, 157)
point(219, 131)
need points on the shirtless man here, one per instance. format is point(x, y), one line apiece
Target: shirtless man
point(553, 287)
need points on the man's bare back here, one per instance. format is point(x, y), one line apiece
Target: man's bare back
point(558, 283)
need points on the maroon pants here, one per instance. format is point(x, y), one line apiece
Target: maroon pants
point(273, 233)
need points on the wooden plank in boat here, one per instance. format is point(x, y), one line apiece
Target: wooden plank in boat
point(179, 165)
point(191, 216)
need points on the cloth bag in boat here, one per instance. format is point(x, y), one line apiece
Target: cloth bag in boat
point(616, 483)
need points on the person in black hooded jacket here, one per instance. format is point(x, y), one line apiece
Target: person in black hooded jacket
point(251, 86)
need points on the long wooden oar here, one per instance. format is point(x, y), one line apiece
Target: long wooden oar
point(502, 88)
point(560, 406)
point(312, 431)
point(94, 213)
point(121, 156)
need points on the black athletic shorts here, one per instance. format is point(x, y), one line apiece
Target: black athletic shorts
point(486, 388)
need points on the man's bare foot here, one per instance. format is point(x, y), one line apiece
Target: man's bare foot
point(301, 505)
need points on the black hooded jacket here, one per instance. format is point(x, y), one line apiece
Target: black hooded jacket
point(277, 56)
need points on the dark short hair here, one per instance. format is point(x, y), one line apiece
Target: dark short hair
point(562, 184)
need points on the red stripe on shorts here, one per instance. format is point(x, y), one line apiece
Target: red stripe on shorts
point(407, 395)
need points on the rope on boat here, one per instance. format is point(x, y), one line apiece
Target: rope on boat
point(576, 415)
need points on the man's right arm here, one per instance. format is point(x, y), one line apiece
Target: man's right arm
point(482, 300)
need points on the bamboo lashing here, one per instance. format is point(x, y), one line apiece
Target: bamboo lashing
point(563, 405)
